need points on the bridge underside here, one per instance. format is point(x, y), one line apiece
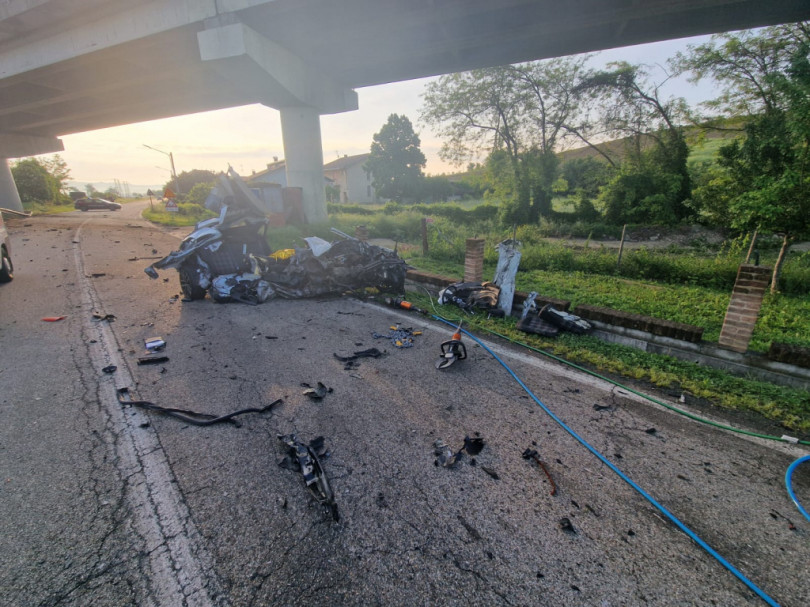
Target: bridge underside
point(90, 64)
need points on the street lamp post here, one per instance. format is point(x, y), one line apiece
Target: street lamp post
point(171, 161)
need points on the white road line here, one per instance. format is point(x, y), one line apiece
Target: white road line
point(180, 569)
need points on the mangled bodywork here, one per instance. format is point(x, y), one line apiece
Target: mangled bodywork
point(228, 257)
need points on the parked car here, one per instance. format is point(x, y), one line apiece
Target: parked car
point(6, 267)
point(85, 204)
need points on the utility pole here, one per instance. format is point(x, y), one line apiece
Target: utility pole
point(171, 161)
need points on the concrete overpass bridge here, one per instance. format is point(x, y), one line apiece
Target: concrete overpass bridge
point(68, 67)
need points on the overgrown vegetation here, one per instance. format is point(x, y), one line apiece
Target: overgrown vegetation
point(188, 214)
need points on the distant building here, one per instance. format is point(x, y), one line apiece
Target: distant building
point(346, 174)
point(276, 172)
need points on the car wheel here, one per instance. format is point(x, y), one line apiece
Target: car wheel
point(189, 280)
point(84, 209)
point(6, 268)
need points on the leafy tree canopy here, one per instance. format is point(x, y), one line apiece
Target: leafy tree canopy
point(188, 179)
point(41, 180)
point(396, 161)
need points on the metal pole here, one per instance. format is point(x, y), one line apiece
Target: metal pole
point(621, 247)
point(174, 174)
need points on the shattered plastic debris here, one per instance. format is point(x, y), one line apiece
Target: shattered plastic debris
point(316, 393)
point(109, 369)
point(305, 459)
point(54, 318)
point(445, 456)
point(351, 361)
point(247, 288)
point(103, 317)
point(400, 338)
point(154, 344)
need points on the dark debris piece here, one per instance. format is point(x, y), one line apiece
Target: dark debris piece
point(316, 393)
point(305, 459)
point(109, 369)
point(567, 526)
point(370, 353)
point(152, 360)
point(188, 416)
point(447, 458)
point(473, 446)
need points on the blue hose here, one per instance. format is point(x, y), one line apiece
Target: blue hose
point(789, 484)
point(692, 535)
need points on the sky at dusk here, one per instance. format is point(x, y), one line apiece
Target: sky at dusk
point(247, 138)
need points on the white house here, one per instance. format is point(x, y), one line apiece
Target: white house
point(345, 173)
point(348, 175)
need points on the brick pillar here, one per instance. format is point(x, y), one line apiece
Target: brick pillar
point(743, 309)
point(474, 260)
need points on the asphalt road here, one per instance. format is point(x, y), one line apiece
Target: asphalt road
point(106, 504)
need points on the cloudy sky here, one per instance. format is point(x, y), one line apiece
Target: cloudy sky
point(248, 137)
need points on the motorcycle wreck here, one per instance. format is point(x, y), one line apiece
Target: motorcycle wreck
point(228, 258)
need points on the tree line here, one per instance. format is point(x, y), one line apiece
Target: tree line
point(521, 116)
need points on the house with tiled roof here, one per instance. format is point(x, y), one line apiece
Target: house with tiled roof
point(347, 174)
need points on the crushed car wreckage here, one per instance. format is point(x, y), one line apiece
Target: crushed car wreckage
point(228, 257)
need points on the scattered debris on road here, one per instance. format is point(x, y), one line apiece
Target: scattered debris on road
point(399, 337)
point(305, 459)
point(54, 318)
point(154, 344)
point(445, 456)
point(152, 360)
point(316, 393)
point(533, 455)
point(191, 417)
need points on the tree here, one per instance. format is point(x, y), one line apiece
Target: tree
point(396, 162)
point(765, 75)
point(35, 184)
point(188, 179)
point(653, 184)
point(520, 115)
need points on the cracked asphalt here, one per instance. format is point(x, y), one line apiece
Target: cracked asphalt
point(104, 504)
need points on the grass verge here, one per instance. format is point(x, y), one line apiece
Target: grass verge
point(786, 407)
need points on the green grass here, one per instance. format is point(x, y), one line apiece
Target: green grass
point(783, 318)
point(785, 406)
point(187, 215)
point(38, 208)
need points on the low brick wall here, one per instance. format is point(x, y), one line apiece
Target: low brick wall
point(432, 280)
point(540, 301)
point(656, 326)
point(790, 354)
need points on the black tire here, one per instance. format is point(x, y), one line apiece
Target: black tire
point(188, 281)
point(6, 268)
point(84, 209)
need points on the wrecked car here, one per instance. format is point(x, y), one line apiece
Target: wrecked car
point(228, 257)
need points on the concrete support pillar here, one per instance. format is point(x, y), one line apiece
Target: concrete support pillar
point(303, 153)
point(474, 260)
point(743, 309)
point(9, 197)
